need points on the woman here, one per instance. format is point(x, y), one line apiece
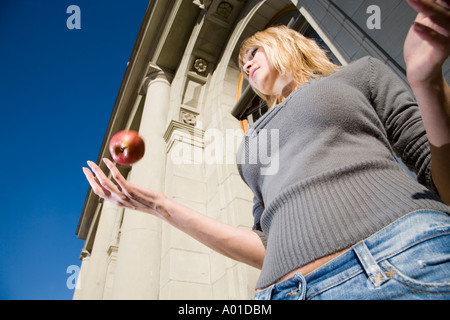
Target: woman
point(340, 219)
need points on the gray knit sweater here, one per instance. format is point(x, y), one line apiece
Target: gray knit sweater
point(322, 169)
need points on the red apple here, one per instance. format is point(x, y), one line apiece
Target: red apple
point(126, 147)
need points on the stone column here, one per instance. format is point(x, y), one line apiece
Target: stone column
point(94, 273)
point(139, 256)
point(81, 281)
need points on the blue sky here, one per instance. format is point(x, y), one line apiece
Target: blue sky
point(57, 92)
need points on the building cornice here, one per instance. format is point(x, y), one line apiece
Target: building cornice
point(141, 64)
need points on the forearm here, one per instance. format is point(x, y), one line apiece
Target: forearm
point(236, 243)
point(433, 99)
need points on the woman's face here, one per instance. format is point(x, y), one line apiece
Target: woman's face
point(262, 74)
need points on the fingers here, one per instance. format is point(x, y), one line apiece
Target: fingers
point(430, 33)
point(97, 188)
point(137, 195)
point(430, 7)
point(123, 194)
point(101, 185)
point(122, 182)
point(437, 11)
point(102, 178)
point(124, 186)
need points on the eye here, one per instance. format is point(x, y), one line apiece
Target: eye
point(253, 52)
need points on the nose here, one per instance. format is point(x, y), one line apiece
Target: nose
point(247, 66)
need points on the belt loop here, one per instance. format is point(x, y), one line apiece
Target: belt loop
point(373, 271)
point(300, 291)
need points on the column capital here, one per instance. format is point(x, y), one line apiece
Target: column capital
point(152, 74)
point(84, 254)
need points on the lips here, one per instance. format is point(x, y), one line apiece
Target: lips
point(252, 72)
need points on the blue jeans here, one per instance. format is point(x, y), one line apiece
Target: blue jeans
point(409, 259)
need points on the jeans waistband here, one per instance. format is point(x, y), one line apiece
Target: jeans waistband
point(412, 229)
point(407, 231)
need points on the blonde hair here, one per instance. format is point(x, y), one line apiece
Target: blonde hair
point(290, 53)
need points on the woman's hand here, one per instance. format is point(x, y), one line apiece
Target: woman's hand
point(427, 44)
point(124, 194)
point(427, 47)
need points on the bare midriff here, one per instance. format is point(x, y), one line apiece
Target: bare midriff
point(310, 267)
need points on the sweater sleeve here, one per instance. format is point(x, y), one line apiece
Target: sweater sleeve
point(397, 109)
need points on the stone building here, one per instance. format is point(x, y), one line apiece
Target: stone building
point(183, 92)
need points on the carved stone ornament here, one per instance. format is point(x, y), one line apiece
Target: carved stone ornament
point(188, 118)
point(224, 9)
point(200, 65)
